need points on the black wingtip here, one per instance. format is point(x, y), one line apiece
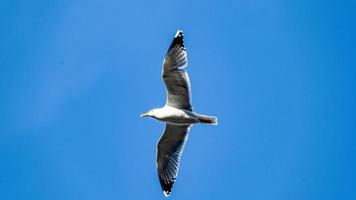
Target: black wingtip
point(166, 193)
point(177, 40)
point(179, 34)
point(166, 187)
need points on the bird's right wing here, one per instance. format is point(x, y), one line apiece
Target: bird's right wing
point(175, 76)
point(169, 150)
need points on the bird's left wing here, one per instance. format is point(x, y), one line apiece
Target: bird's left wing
point(175, 76)
point(169, 150)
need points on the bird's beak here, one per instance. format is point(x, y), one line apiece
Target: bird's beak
point(145, 115)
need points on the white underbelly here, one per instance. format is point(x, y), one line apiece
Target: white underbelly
point(178, 117)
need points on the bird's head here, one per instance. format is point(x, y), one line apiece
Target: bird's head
point(150, 113)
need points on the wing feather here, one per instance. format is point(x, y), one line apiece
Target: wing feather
point(169, 150)
point(175, 76)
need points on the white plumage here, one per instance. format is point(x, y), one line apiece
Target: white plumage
point(177, 113)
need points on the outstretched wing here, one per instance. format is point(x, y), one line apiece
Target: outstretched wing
point(169, 150)
point(175, 76)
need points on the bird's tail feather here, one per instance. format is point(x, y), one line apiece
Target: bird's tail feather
point(208, 119)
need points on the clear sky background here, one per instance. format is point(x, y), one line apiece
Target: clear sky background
point(76, 75)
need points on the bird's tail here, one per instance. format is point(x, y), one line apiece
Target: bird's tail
point(208, 119)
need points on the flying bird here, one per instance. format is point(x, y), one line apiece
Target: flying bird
point(178, 113)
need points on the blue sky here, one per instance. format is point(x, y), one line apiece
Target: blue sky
point(76, 75)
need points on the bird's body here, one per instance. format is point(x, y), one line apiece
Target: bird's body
point(178, 113)
point(177, 116)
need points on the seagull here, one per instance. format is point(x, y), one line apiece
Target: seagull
point(177, 114)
